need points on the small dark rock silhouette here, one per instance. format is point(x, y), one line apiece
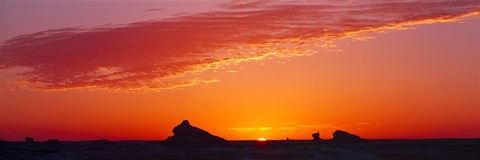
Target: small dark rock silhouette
point(316, 136)
point(345, 137)
point(186, 134)
point(53, 141)
point(29, 140)
point(101, 142)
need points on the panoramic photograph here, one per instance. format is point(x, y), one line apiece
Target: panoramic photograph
point(239, 79)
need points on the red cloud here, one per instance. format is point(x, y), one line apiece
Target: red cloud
point(246, 4)
point(170, 53)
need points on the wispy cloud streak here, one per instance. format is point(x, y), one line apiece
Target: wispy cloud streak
point(174, 52)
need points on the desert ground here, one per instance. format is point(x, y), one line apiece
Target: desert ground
point(439, 149)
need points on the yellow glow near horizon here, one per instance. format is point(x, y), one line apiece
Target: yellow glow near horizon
point(262, 139)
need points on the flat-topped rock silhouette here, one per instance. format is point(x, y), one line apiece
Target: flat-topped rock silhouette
point(29, 140)
point(186, 134)
point(345, 137)
point(339, 136)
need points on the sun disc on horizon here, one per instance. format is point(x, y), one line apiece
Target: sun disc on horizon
point(261, 139)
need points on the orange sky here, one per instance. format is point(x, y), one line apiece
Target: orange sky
point(241, 69)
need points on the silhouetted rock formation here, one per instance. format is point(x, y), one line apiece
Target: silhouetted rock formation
point(186, 134)
point(29, 140)
point(316, 136)
point(53, 141)
point(101, 142)
point(345, 137)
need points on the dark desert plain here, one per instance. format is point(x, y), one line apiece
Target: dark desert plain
point(189, 142)
point(240, 79)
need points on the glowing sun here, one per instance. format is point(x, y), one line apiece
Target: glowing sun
point(261, 139)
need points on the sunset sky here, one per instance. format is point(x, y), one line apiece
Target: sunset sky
point(240, 69)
